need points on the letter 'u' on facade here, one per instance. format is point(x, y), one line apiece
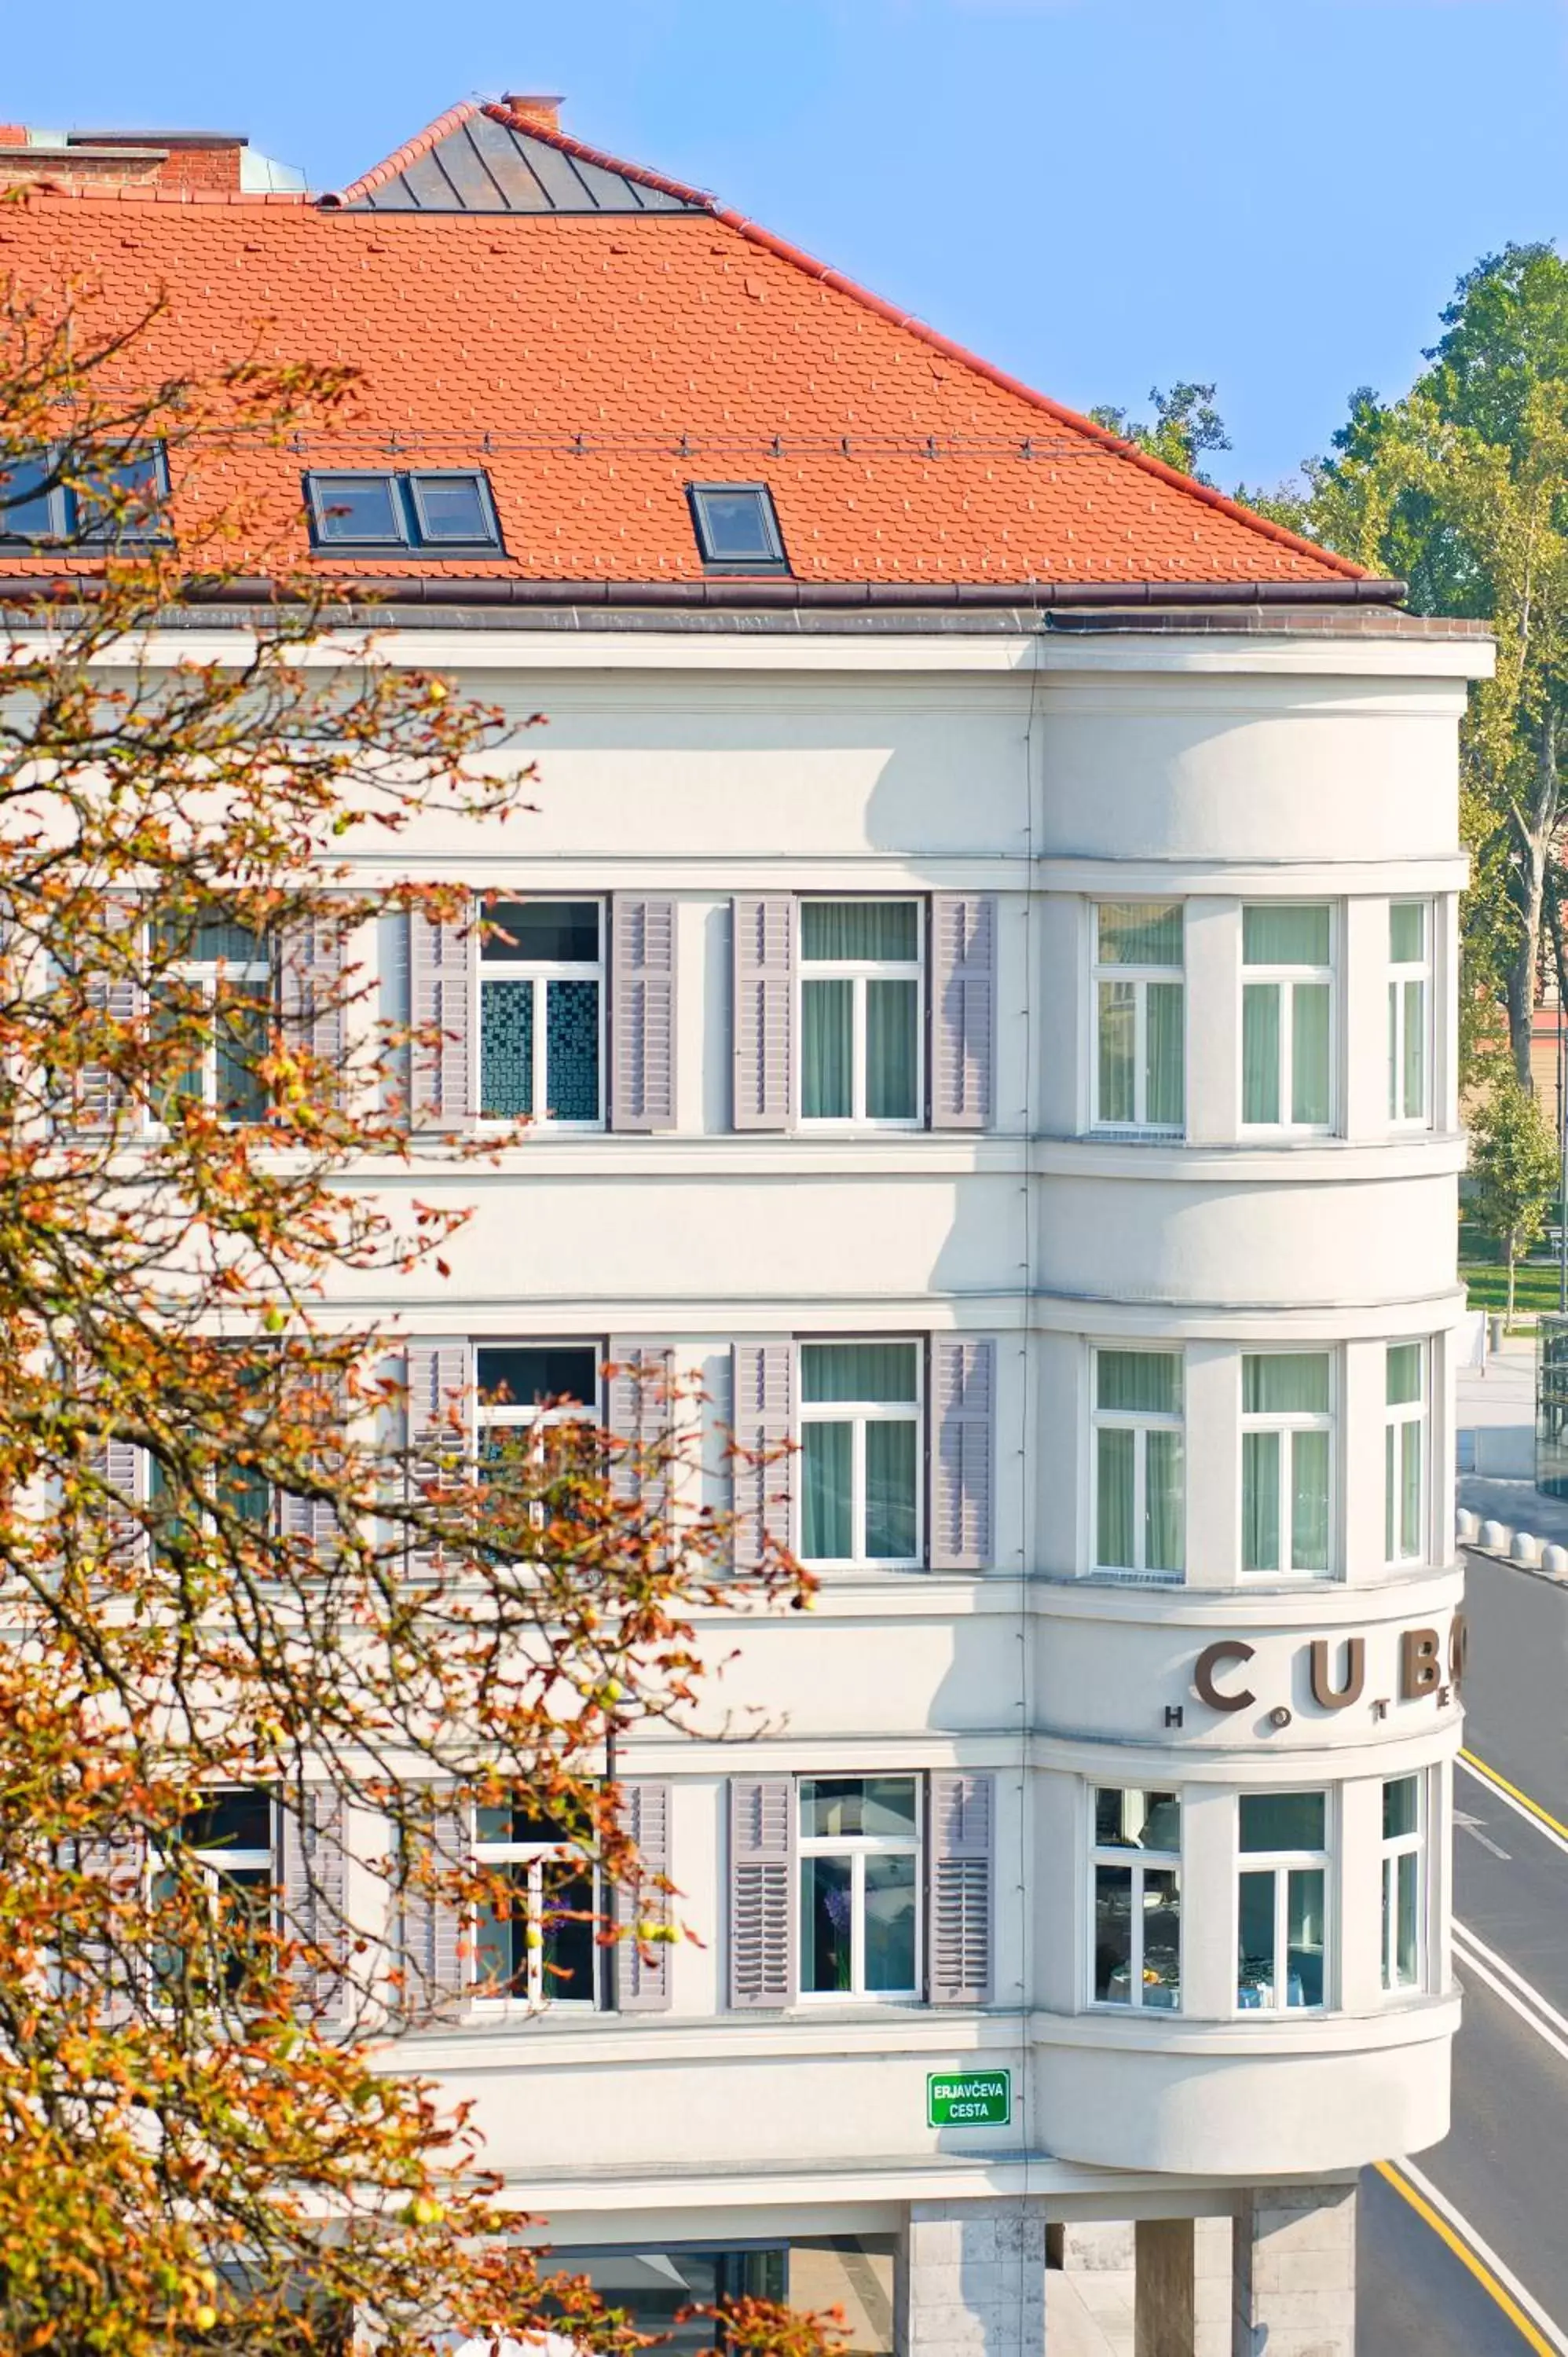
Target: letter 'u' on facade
point(1332, 1697)
point(1217, 1657)
point(1421, 1672)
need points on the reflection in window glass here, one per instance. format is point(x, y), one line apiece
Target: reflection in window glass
point(859, 1842)
point(1281, 1902)
point(1136, 1867)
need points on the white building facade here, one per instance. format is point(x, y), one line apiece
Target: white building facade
point(1014, 1062)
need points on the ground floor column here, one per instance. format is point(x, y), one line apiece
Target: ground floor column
point(1295, 2272)
point(1181, 2301)
point(972, 2280)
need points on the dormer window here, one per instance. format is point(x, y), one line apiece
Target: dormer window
point(428, 512)
point(738, 531)
point(66, 497)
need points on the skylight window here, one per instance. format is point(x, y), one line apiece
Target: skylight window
point(446, 510)
point(738, 531)
point(119, 501)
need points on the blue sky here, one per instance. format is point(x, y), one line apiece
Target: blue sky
point(1100, 195)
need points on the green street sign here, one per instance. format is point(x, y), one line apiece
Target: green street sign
point(969, 2099)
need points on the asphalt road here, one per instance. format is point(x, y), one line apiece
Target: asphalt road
point(1502, 2177)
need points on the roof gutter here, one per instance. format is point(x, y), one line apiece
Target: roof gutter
point(735, 595)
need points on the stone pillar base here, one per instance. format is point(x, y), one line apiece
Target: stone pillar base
point(972, 2280)
point(1295, 2272)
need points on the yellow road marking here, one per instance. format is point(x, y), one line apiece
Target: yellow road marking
point(1468, 2258)
point(1523, 1799)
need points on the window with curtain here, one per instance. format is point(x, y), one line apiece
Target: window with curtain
point(211, 983)
point(1282, 1902)
point(535, 1937)
point(1140, 1488)
point(860, 1453)
point(861, 1011)
point(1140, 1064)
point(1410, 995)
point(1287, 1016)
point(860, 1880)
point(1287, 1446)
point(1404, 1879)
point(1136, 1867)
point(542, 1013)
point(1404, 1450)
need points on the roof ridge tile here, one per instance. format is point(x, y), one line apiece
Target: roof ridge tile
point(409, 152)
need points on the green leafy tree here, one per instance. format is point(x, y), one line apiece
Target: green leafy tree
point(1186, 424)
point(1514, 1170)
point(1461, 489)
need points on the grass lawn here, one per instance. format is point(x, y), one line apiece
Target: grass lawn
point(1486, 1286)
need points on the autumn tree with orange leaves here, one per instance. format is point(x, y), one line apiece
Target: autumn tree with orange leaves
point(235, 1555)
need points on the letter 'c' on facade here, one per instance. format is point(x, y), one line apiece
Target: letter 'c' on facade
point(1218, 1657)
point(1331, 1698)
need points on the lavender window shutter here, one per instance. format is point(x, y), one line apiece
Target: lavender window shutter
point(963, 1448)
point(435, 1425)
point(642, 1012)
point(762, 1892)
point(642, 1974)
point(310, 986)
point(114, 996)
point(959, 1935)
point(117, 1465)
point(762, 1420)
point(445, 986)
point(639, 1411)
point(312, 1519)
point(764, 1012)
point(315, 1893)
point(963, 993)
point(431, 1925)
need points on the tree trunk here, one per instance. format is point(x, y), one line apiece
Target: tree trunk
point(1534, 828)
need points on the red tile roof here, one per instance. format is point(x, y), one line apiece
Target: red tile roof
point(597, 363)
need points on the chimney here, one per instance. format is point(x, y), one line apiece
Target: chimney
point(544, 111)
point(88, 162)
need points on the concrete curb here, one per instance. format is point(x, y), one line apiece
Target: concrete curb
point(1520, 1550)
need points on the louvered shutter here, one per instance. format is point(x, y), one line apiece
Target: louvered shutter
point(763, 1422)
point(642, 1977)
point(963, 992)
point(315, 1890)
point(642, 1012)
point(436, 1379)
point(114, 996)
point(118, 1861)
point(764, 1012)
point(762, 1892)
point(430, 1927)
point(310, 988)
point(958, 1934)
point(117, 1464)
point(312, 1519)
point(639, 1410)
point(443, 987)
point(964, 1386)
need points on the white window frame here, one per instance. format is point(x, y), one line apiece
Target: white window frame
point(1281, 1864)
point(1285, 979)
point(1140, 1422)
point(857, 973)
point(1287, 1423)
point(858, 1414)
point(1392, 1847)
point(219, 1866)
point(522, 1415)
point(541, 973)
point(1140, 1861)
point(857, 1848)
point(540, 1994)
point(1401, 972)
point(209, 975)
point(1138, 978)
point(1397, 1418)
